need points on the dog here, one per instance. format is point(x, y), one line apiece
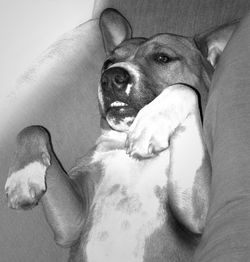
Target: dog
point(142, 193)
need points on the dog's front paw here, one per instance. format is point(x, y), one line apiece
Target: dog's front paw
point(149, 134)
point(26, 182)
point(152, 128)
point(25, 187)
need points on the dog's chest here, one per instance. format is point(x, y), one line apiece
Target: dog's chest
point(128, 207)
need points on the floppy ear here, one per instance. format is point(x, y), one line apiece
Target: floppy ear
point(115, 29)
point(212, 42)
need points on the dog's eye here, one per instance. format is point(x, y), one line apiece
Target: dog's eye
point(107, 64)
point(161, 58)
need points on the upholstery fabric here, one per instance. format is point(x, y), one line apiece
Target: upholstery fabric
point(184, 17)
point(227, 128)
point(60, 93)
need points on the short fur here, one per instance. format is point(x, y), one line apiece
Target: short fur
point(142, 193)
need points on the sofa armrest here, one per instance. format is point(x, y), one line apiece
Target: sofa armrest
point(227, 129)
point(59, 91)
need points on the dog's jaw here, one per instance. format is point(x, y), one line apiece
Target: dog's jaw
point(119, 115)
point(121, 125)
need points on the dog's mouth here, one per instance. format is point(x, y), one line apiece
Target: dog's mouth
point(120, 109)
point(120, 115)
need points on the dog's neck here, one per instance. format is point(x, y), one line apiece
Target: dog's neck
point(110, 139)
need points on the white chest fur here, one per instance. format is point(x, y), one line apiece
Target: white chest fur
point(128, 207)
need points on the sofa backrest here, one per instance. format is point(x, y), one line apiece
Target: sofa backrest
point(185, 17)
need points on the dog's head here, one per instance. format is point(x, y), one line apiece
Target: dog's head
point(138, 69)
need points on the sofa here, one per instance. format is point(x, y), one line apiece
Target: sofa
point(59, 91)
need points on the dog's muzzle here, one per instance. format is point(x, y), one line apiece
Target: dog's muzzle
point(116, 83)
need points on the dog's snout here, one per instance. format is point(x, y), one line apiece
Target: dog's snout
point(116, 79)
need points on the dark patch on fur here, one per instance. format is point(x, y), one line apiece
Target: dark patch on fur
point(184, 236)
point(171, 242)
point(160, 193)
point(103, 235)
point(113, 189)
point(129, 204)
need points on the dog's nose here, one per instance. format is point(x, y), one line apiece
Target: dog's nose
point(115, 78)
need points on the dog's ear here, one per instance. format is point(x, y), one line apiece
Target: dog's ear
point(115, 29)
point(212, 42)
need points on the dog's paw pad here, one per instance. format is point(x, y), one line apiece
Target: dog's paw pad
point(25, 187)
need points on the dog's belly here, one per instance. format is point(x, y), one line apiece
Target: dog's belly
point(129, 206)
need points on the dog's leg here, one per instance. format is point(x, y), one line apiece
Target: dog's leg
point(189, 174)
point(36, 170)
point(154, 125)
point(173, 118)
